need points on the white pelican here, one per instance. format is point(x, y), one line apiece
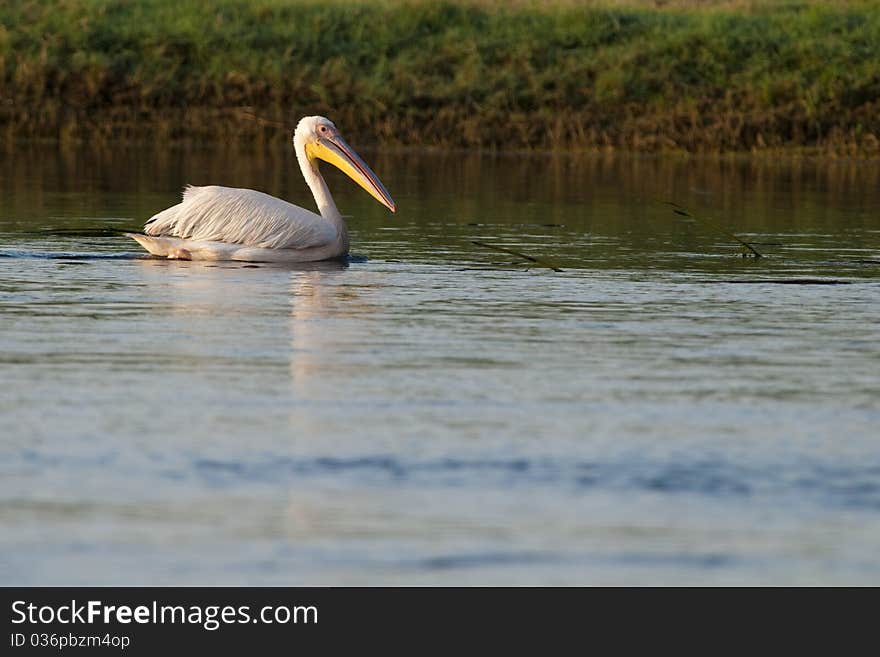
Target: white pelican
point(224, 223)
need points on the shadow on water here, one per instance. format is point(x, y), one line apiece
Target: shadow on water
point(65, 255)
point(69, 257)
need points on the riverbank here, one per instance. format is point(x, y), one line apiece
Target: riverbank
point(742, 76)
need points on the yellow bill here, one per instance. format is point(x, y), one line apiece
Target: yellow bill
point(335, 151)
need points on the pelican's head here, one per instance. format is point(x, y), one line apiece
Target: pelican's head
point(321, 140)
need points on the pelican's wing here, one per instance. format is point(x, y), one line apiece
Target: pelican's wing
point(241, 216)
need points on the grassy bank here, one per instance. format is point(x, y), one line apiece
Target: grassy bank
point(737, 76)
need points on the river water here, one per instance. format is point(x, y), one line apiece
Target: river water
point(660, 411)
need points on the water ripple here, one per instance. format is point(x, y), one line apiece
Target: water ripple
point(69, 255)
point(856, 487)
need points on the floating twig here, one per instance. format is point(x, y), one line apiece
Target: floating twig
point(677, 209)
point(538, 261)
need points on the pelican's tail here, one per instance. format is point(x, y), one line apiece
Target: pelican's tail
point(167, 247)
point(156, 245)
point(176, 248)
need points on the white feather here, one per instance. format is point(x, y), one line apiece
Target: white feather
point(241, 217)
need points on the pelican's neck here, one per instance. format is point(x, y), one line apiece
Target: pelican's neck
point(316, 183)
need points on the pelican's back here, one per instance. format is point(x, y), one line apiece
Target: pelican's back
point(241, 216)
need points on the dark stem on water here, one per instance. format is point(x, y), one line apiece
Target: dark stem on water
point(677, 209)
point(537, 261)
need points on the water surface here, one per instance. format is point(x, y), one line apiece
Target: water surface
point(433, 411)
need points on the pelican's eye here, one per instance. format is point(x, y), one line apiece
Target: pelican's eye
point(322, 129)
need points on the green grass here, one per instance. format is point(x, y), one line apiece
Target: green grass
point(737, 76)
